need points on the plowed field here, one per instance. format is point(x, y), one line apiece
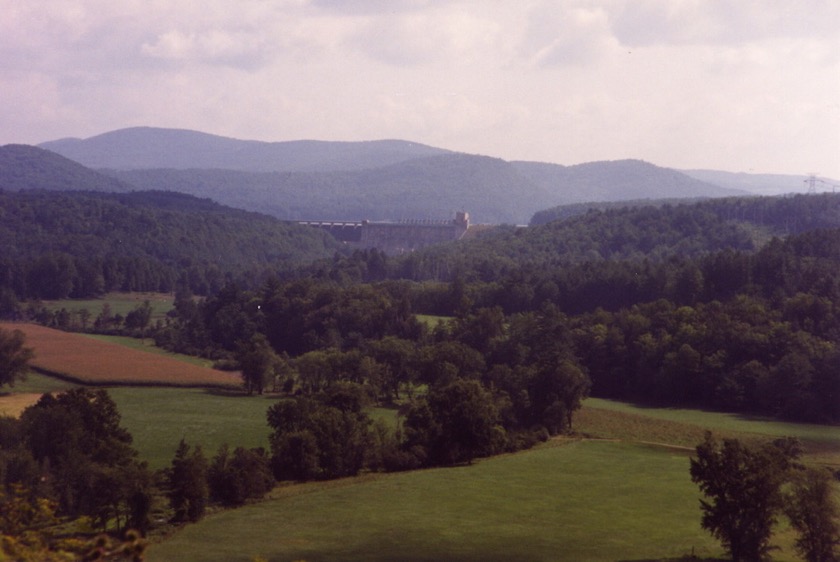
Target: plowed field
point(88, 361)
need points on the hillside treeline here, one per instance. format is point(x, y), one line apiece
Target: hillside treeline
point(696, 305)
point(634, 233)
point(74, 244)
point(734, 331)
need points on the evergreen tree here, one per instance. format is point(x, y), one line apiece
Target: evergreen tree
point(188, 488)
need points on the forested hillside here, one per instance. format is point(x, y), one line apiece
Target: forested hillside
point(646, 232)
point(727, 304)
point(28, 167)
point(81, 244)
point(744, 331)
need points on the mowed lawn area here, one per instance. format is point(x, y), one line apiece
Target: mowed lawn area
point(87, 360)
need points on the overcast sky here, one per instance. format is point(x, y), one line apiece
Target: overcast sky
point(738, 85)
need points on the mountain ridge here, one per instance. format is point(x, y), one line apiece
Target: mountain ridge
point(154, 147)
point(375, 180)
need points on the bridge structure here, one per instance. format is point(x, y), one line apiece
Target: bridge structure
point(398, 237)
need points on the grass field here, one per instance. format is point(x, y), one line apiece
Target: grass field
point(158, 418)
point(573, 501)
point(605, 418)
point(91, 361)
point(728, 422)
point(120, 303)
point(624, 496)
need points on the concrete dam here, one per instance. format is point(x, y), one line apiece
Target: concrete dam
point(396, 238)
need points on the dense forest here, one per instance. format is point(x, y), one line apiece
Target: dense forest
point(83, 244)
point(633, 233)
point(726, 304)
point(28, 167)
point(736, 331)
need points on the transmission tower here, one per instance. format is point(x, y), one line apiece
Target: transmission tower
point(812, 182)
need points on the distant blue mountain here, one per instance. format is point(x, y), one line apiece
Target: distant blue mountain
point(150, 147)
point(386, 179)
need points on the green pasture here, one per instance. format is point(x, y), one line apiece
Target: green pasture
point(606, 499)
point(619, 497)
point(825, 435)
point(120, 303)
point(158, 418)
point(37, 383)
point(571, 501)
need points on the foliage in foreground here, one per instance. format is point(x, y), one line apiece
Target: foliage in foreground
point(28, 534)
point(745, 496)
point(815, 516)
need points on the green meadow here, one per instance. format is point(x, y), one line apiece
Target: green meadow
point(617, 497)
point(577, 500)
point(159, 417)
point(622, 493)
point(120, 303)
point(725, 422)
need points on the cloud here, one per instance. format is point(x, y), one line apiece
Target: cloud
point(676, 82)
point(244, 49)
point(400, 41)
point(368, 7)
point(560, 37)
point(723, 22)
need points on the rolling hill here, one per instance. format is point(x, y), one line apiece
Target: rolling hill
point(150, 147)
point(29, 167)
point(492, 190)
point(365, 180)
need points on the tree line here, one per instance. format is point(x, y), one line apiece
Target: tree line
point(67, 458)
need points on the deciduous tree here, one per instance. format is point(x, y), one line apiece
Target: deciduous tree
point(742, 486)
point(240, 476)
point(14, 357)
point(814, 514)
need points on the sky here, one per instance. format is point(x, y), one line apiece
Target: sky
point(735, 85)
